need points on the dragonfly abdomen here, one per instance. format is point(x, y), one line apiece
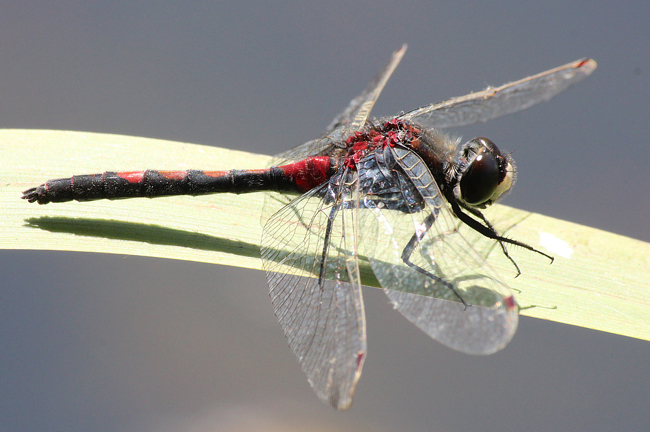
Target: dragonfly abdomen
point(132, 184)
point(296, 177)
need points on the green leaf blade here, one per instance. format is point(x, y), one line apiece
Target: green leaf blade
point(603, 284)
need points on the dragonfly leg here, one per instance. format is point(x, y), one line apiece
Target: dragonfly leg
point(326, 243)
point(410, 248)
point(488, 231)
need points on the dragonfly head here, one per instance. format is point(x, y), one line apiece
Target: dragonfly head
point(483, 174)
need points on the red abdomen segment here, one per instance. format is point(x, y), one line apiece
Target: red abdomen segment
point(295, 177)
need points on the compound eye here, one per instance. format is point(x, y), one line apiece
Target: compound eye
point(481, 179)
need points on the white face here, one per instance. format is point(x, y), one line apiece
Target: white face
point(507, 182)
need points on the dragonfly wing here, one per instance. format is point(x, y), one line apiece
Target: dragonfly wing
point(310, 257)
point(500, 101)
point(352, 119)
point(316, 147)
point(355, 115)
point(449, 267)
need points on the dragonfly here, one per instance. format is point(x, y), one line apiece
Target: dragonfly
point(396, 192)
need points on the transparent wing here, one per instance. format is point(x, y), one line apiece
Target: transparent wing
point(444, 266)
point(309, 253)
point(355, 115)
point(500, 101)
point(350, 120)
point(317, 147)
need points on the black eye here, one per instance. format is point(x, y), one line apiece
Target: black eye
point(480, 180)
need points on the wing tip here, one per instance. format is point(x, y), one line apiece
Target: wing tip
point(587, 65)
point(397, 55)
point(510, 303)
point(344, 403)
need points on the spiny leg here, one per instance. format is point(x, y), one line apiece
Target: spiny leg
point(410, 248)
point(326, 242)
point(488, 231)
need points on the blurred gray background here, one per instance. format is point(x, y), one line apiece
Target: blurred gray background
point(94, 342)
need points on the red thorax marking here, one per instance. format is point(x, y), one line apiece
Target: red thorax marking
point(391, 133)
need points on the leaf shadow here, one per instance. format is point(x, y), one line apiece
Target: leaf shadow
point(145, 233)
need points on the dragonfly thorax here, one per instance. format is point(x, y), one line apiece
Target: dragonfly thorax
point(389, 133)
